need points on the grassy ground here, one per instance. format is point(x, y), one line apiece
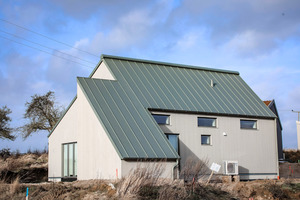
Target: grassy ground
point(98, 189)
point(21, 171)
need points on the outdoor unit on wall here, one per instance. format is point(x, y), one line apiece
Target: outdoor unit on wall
point(231, 168)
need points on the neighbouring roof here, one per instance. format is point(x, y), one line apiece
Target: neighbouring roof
point(122, 105)
point(272, 106)
point(267, 102)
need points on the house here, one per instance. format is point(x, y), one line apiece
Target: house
point(132, 111)
point(271, 104)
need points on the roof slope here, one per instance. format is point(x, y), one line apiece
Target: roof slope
point(272, 106)
point(166, 86)
point(129, 125)
point(122, 105)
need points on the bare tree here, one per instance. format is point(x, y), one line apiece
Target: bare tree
point(42, 114)
point(5, 130)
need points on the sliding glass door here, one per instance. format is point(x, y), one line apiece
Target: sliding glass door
point(70, 160)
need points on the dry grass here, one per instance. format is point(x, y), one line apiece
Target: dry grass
point(25, 167)
point(145, 176)
point(15, 186)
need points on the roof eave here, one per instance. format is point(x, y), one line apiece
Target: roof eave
point(211, 113)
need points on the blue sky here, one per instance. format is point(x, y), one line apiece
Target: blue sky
point(258, 38)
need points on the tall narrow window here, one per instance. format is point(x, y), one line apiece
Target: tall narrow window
point(248, 124)
point(162, 119)
point(206, 122)
point(70, 160)
point(173, 139)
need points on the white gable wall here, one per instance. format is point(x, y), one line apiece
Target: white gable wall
point(103, 72)
point(97, 158)
point(65, 132)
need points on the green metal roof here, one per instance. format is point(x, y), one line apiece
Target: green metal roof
point(174, 87)
point(122, 106)
point(129, 125)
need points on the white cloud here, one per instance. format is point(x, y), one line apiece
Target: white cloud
point(251, 27)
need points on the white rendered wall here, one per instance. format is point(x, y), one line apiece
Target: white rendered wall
point(97, 158)
point(166, 167)
point(255, 150)
point(103, 72)
point(65, 132)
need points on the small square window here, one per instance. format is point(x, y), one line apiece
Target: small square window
point(205, 139)
point(248, 124)
point(206, 122)
point(162, 119)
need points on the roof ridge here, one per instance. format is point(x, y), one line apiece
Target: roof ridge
point(103, 56)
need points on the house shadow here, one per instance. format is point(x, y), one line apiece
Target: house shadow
point(192, 168)
point(243, 172)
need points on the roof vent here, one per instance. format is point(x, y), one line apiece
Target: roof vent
point(212, 84)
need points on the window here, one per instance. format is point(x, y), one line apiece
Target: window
point(70, 159)
point(205, 140)
point(206, 122)
point(173, 139)
point(248, 124)
point(162, 119)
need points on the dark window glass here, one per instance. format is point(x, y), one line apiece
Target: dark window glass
point(173, 139)
point(162, 119)
point(207, 122)
point(249, 124)
point(205, 139)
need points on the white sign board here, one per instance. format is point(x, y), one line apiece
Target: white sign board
point(215, 167)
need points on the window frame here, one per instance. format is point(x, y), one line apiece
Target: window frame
point(248, 120)
point(210, 140)
point(74, 159)
point(168, 121)
point(213, 118)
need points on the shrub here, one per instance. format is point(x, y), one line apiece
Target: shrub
point(173, 191)
point(5, 153)
point(292, 155)
point(277, 191)
point(149, 192)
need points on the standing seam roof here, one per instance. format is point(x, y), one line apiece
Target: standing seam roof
point(131, 129)
point(122, 105)
point(180, 88)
